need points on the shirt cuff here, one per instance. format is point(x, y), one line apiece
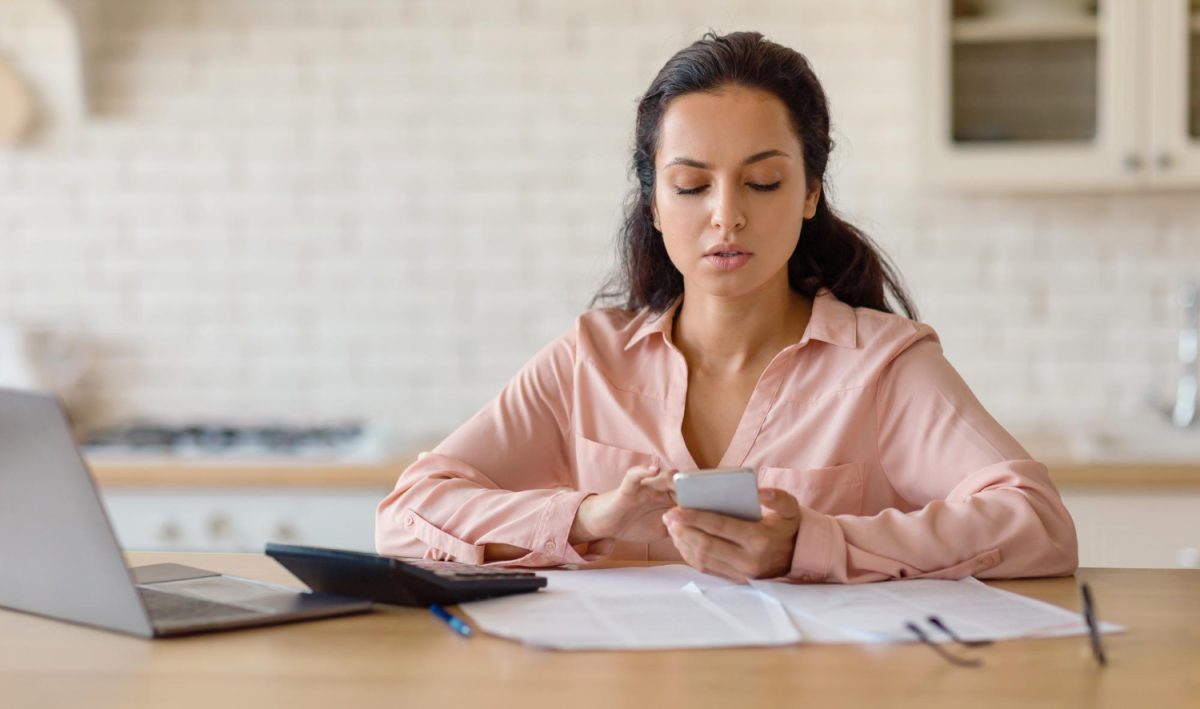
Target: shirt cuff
point(548, 546)
point(815, 540)
point(551, 541)
point(440, 543)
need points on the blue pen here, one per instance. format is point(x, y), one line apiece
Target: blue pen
point(456, 623)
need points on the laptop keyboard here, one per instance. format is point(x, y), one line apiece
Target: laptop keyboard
point(173, 606)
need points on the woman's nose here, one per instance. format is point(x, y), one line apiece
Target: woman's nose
point(727, 213)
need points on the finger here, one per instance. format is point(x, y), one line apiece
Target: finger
point(642, 471)
point(635, 475)
point(733, 529)
point(716, 567)
point(701, 545)
point(779, 502)
point(660, 481)
point(707, 553)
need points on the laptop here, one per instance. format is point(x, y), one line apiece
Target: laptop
point(59, 557)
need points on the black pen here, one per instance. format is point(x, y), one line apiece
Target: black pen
point(1089, 616)
point(454, 622)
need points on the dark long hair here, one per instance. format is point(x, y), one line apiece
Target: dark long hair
point(830, 253)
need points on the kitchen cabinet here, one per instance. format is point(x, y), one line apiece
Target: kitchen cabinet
point(218, 506)
point(242, 520)
point(1060, 95)
point(1135, 527)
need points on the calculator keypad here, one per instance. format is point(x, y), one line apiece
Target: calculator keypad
point(459, 570)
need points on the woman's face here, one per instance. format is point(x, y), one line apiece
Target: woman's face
point(730, 191)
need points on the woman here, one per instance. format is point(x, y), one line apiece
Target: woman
point(755, 332)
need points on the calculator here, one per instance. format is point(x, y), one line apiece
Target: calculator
point(403, 582)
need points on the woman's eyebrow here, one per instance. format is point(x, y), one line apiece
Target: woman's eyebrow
point(705, 166)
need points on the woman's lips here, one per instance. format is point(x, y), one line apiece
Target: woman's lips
point(728, 263)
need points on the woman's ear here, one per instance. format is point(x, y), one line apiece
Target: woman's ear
point(811, 200)
point(654, 214)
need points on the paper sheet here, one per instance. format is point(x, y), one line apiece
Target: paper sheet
point(632, 579)
point(655, 620)
point(675, 606)
point(878, 612)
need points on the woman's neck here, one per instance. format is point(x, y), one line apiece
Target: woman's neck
point(730, 336)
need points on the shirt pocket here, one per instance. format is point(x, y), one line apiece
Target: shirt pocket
point(600, 467)
point(836, 490)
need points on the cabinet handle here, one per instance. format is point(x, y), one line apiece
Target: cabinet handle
point(1163, 160)
point(170, 532)
point(219, 526)
point(1133, 162)
point(286, 532)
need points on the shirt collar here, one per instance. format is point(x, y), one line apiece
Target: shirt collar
point(653, 323)
point(832, 321)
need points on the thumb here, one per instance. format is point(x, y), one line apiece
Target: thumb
point(780, 502)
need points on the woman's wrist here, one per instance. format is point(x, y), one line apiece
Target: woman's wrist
point(583, 527)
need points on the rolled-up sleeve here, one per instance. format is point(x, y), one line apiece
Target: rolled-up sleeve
point(978, 505)
point(503, 477)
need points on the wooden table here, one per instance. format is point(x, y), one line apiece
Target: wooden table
point(401, 657)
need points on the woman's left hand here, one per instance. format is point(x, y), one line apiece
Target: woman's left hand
point(737, 549)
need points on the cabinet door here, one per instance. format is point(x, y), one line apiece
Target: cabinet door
point(182, 519)
point(1028, 96)
point(1138, 528)
point(1174, 50)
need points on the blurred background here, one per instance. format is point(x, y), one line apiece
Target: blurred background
point(268, 251)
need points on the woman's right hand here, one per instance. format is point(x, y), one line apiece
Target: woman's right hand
point(632, 512)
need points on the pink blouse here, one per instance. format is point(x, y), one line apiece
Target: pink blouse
point(899, 471)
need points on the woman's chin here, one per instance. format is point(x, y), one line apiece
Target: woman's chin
point(728, 286)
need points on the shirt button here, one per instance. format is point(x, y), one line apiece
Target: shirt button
point(549, 546)
point(408, 520)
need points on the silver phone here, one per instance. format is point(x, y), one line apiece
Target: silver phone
point(730, 491)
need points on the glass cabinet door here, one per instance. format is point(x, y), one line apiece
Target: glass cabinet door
point(1193, 71)
point(1174, 53)
point(1033, 94)
point(1066, 95)
point(1024, 71)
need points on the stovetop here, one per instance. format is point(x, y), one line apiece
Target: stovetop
point(349, 440)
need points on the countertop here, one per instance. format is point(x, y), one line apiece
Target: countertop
point(404, 657)
point(215, 473)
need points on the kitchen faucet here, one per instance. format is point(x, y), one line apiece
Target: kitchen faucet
point(1183, 414)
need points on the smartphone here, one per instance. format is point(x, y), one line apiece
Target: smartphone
point(730, 491)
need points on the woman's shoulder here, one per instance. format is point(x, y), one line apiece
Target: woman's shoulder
point(899, 349)
point(879, 329)
point(605, 332)
point(862, 329)
point(597, 335)
point(861, 344)
point(607, 320)
point(872, 339)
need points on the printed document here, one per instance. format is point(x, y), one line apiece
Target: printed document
point(674, 606)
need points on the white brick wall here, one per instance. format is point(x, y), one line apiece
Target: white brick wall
point(325, 209)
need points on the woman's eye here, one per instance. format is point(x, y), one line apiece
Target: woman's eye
point(752, 185)
point(764, 188)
